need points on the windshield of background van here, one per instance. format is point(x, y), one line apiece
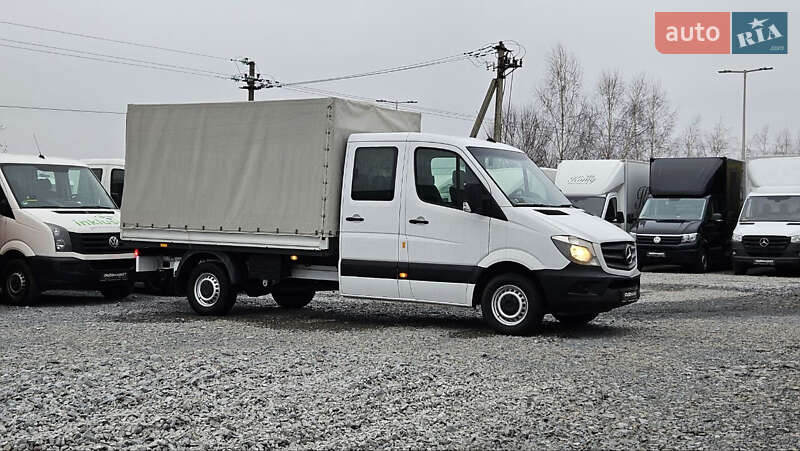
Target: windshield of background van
point(523, 183)
point(592, 205)
point(673, 209)
point(771, 208)
point(54, 186)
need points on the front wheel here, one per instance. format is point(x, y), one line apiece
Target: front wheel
point(702, 264)
point(512, 305)
point(209, 290)
point(293, 299)
point(576, 320)
point(19, 283)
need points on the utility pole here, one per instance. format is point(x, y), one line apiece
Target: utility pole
point(744, 73)
point(396, 102)
point(252, 80)
point(503, 67)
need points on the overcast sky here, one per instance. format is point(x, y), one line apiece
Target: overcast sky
point(305, 40)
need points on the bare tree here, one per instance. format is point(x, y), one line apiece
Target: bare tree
point(783, 143)
point(659, 120)
point(633, 142)
point(718, 140)
point(524, 129)
point(561, 103)
point(690, 143)
point(610, 114)
point(759, 143)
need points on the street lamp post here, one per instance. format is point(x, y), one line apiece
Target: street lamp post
point(744, 73)
point(396, 102)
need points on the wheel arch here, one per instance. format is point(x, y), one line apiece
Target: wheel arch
point(192, 258)
point(503, 267)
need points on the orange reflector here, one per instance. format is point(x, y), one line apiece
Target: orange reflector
point(293, 258)
point(403, 275)
point(163, 244)
point(404, 244)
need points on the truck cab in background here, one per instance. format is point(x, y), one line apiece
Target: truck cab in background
point(614, 190)
point(58, 230)
point(768, 230)
point(111, 174)
point(691, 212)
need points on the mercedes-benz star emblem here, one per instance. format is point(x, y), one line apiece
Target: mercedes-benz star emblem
point(657, 239)
point(113, 241)
point(763, 242)
point(630, 254)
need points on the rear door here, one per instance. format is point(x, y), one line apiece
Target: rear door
point(369, 230)
point(444, 242)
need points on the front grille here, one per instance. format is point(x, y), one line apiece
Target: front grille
point(765, 245)
point(125, 264)
point(664, 239)
point(616, 255)
point(96, 243)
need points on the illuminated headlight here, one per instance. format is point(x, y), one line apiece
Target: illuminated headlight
point(738, 237)
point(60, 238)
point(794, 239)
point(576, 250)
point(688, 238)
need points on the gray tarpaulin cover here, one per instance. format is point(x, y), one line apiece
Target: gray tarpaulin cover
point(244, 166)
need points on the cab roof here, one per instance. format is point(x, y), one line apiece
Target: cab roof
point(457, 141)
point(34, 159)
point(105, 161)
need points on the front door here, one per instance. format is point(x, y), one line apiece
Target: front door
point(445, 239)
point(369, 229)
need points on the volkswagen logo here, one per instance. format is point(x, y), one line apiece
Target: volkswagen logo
point(630, 254)
point(657, 239)
point(763, 242)
point(113, 241)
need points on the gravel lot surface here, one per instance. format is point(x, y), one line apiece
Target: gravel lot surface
point(702, 361)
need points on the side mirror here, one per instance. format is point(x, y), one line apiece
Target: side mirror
point(620, 219)
point(717, 217)
point(465, 206)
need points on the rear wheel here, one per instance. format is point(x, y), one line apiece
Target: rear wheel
point(739, 269)
point(119, 291)
point(19, 283)
point(209, 290)
point(512, 305)
point(576, 320)
point(293, 299)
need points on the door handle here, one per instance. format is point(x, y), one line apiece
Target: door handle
point(354, 218)
point(418, 220)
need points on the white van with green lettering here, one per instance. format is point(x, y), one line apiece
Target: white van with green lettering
point(59, 229)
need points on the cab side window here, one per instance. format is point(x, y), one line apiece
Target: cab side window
point(374, 172)
point(5, 207)
point(98, 172)
point(443, 178)
point(117, 182)
point(611, 211)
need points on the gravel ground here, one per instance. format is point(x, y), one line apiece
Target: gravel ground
point(702, 361)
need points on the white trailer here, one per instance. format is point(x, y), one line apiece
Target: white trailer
point(292, 197)
point(614, 190)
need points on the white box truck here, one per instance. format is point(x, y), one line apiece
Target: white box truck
point(293, 197)
point(614, 190)
point(111, 174)
point(768, 230)
point(59, 229)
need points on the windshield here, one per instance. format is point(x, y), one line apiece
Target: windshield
point(55, 186)
point(771, 208)
point(674, 209)
point(523, 183)
point(592, 205)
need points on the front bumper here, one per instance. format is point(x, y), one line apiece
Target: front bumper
point(70, 272)
point(787, 257)
point(683, 254)
point(580, 289)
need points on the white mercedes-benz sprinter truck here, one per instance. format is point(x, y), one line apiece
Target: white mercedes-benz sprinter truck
point(59, 229)
point(292, 197)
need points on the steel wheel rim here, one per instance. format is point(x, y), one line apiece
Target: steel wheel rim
point(16, 283)
point(509, 305)
point(207, 289)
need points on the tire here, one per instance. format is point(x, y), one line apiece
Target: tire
point(739, 269)
point(19, 284)
point(576, 320)
point(703, 264)
point(512, 305)
point(118, 291)
point(209, 290)
point(293, 299)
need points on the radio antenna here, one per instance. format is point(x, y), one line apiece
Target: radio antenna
point(37, 146)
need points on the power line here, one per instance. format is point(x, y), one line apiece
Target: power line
point(117, 41)
point(148, 66)
point(192, 69)
point(70, 110)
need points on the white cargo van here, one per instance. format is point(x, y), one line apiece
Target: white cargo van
point(111, 173)
point(58, 230)
point(768, 230)
point(293, 197)
point(614, 190)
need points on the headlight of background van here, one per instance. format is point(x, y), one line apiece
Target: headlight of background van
point(576, 250)
point(795, 239)
point(738, 237)
point(688, 237)
point(60, 238)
